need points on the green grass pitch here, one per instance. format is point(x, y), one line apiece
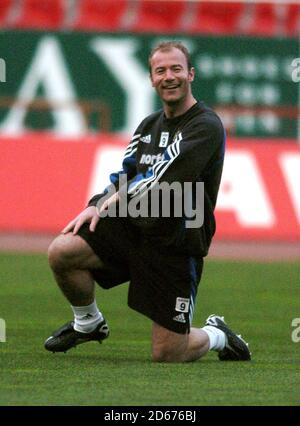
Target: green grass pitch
point(259, 300)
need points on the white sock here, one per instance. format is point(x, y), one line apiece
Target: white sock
point(86, 317)
point(217, 338)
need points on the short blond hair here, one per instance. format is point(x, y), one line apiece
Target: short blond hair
point(168, 45)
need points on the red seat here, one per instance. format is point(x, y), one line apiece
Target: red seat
point(264, 20)
point(41, 14)
point(216, 18)
point(159, 16)
point(293, 20)
point(103, 15)
point(4, 9)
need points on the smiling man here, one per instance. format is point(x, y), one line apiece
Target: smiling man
point(171, 74)
point(160, 255)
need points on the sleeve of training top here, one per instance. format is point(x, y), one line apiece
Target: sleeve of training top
point(128, 168)
point(186, 158)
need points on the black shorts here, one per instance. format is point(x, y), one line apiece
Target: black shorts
point(163, 284)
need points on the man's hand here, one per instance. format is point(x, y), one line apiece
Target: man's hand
point(112, 200)
point(89, 215)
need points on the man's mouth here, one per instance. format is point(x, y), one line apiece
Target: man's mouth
point(171, 87)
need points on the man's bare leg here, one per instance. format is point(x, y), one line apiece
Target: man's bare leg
point(70, 259)
point(168, 346)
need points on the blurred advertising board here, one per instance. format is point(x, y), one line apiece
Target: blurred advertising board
point(77, 82)
point(46, 181)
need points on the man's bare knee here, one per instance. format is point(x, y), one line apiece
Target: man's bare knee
point(164, 353)
point(168, 353)
point(71, 251)
point(59, 252)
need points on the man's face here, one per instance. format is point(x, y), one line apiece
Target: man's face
point(170, 75)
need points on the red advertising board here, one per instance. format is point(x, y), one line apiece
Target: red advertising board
point(45, 181)
point(259, 196)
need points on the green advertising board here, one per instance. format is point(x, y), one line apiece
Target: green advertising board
point(74, 82)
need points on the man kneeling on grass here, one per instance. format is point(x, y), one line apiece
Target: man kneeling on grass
point(160, 254)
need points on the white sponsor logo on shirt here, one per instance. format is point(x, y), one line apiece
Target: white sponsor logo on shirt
point(150, 159)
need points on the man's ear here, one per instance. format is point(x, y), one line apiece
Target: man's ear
point(191, 74)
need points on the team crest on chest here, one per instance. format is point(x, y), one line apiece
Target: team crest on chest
point(177, 137)
point(164, 139)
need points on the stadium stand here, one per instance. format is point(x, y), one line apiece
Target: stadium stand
point(293, 20)
point(262, 19)
point(216, 18)
point(105, 15)
point(164, 16)
point(36, 14)
point(5, 6)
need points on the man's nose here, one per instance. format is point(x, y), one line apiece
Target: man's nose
point(169, 75)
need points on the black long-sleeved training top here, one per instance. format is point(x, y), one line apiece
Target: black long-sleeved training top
point(186, 148)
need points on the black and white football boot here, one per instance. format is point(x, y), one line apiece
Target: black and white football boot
point(66, 337)
point(236, 349)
